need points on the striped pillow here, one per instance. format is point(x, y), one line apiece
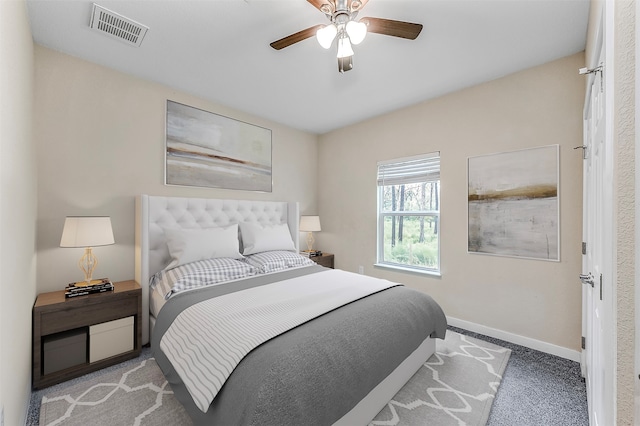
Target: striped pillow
point(199, 274)
point(271, 261)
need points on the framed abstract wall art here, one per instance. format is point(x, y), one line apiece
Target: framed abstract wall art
point(209, 150)
point(513, 203)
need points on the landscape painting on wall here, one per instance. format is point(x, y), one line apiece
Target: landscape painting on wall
point(210, 150)
point(513, 203)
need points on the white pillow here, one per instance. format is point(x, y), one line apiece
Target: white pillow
point(257, 238)
point(190, 245)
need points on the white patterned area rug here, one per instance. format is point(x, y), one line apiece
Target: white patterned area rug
point(456, 386)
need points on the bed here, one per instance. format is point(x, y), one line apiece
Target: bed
point(319, 346)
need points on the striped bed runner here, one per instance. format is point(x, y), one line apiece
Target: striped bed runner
point(209, 339)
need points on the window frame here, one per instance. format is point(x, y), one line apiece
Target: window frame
point(382, 213)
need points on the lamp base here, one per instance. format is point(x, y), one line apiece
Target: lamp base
point(310, 241)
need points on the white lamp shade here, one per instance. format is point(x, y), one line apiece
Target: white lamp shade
point(357, 31)
point(310, 223)
point(87, 231)
point(325, 35)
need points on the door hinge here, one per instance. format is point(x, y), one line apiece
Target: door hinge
point(584, 247)
point(584, 342)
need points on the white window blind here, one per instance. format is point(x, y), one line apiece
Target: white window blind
point(421, 168)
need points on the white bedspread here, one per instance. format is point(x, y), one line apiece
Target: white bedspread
point(208, 340)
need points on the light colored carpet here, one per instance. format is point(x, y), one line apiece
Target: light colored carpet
point(456, 386)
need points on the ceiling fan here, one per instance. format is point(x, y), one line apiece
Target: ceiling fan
point(347, 30)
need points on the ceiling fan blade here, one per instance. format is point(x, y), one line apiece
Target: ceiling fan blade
point(294, 38)
point(393, 28)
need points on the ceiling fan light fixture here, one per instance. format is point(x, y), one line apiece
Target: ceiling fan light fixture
point(357, 31)
point(344, 47)
point(326, 34)
point(347, 30)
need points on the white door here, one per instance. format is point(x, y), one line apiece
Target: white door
point(596, 232)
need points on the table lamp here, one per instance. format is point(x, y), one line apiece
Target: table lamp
point(310, 224)
point(87, 232)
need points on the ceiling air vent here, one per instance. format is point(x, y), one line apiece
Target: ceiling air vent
point(117, 26)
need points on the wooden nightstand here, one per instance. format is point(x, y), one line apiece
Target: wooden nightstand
point(58, 321)
point(326, 260)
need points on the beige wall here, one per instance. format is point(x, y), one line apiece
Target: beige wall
point(100, 140)
point(539, 106)
point(17, 210)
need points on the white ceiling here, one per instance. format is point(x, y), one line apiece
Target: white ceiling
point(219, 50)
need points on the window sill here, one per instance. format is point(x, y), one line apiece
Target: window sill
point(408, 270)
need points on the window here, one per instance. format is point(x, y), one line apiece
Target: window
point(409, 213)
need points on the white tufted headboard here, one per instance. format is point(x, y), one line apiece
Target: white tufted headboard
point(153, 213)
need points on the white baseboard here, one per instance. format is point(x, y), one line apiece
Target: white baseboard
point(528, 342)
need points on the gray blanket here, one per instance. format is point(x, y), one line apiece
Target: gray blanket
point(315, 373)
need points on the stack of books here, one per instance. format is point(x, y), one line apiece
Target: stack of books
point(311, 253)
point(83, 288)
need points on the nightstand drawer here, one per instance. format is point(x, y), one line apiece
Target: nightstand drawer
point(88, 314)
